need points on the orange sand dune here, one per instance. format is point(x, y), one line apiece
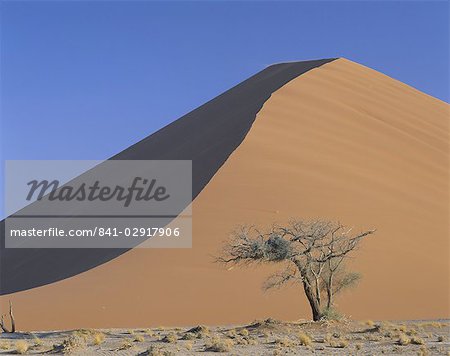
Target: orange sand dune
point(340, 141)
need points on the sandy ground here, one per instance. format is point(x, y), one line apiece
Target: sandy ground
point(268, 337)
point(342, 142)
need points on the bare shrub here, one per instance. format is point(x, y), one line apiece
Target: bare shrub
point(3, 326)
point(73, 343)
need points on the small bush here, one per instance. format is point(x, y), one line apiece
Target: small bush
point(370, 323)
point(22, 347)
point(305, 340)
point(138, 338)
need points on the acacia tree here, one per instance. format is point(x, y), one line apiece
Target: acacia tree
point(313, 253)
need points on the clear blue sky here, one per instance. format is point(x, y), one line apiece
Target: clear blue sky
point(84, 80)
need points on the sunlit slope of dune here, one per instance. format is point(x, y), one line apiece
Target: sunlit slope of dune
point(341, 141)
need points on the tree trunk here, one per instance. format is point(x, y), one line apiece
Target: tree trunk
point(330, 292)
point(316, 282)
point(313, 302)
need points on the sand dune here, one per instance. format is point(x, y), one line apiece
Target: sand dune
point(206, 136)
point(340, 141)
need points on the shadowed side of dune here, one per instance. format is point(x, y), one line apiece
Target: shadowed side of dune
point(207, 136)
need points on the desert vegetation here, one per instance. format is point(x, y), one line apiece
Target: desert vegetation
point(263, 337)
point(313, 254)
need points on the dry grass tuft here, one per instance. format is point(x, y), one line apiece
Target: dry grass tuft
point(189, 345)
point(84, 333)
point(232, 333)
point(403, 340)
point(244, 332)
point(74, 342)
point(219, 345)
point(189, 336)
point(125, 345)
point(5, 345)
point(284, 342)
point(21, 347)
point(304, 339)
point(156, 351)
point(199, 331)
point(98, 338)
point(417, 341)
point(170, 338)
point(374, 338)
point(339, 343)
point(37, 342)
point(423, 351)
point(138, 338)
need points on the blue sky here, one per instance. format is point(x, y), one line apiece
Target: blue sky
point(84, 80)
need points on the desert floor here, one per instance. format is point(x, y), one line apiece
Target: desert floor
point(267, 337)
